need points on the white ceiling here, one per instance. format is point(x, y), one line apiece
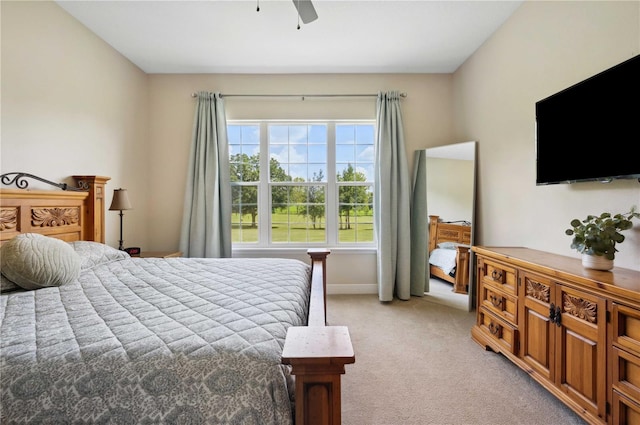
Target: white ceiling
point(216, 36)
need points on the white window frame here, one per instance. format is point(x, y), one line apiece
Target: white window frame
point(331, 191)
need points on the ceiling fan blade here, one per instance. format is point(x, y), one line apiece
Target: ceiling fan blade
point(306, 11)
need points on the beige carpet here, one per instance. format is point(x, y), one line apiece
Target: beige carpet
point(417, 364)
point(441, 292)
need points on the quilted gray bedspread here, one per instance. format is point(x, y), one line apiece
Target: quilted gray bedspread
point(148, 340)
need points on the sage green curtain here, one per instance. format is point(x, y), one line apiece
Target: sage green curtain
point(206, 223)
point(392, 199)
point(419, 226)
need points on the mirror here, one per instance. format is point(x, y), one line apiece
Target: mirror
point(450, 172)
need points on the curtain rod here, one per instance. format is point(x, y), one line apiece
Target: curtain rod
point(298, 95)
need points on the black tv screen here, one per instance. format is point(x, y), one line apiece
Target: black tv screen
point(591, 130)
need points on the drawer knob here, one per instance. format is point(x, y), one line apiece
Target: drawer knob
point(496, 301)
point(494, 329)
point(496, 274)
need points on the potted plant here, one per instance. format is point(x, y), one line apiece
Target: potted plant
point(596, 237)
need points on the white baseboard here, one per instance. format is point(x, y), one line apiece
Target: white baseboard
point(352, 289)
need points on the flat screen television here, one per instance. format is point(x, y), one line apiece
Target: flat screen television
point(591, 130)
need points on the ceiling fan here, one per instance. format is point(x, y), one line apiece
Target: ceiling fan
point(305, 9)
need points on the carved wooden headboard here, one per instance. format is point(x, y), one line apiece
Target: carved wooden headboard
point(64, 214)
point(447, 232)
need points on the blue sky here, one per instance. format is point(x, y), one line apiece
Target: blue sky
point(301, 150)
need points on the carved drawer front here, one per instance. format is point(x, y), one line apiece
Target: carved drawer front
point(537, 289)
point(626, 327)
point(502, 304)
point(498, 275)
point(502, 332)
point(626, 373)
point(624, 411)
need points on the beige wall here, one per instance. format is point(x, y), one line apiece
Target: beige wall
point(72, 105)
point(543, 48)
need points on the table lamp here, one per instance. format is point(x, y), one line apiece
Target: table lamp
point(120, 203)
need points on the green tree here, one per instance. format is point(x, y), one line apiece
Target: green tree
point(315, 201)
point(351, 198)
point(298, 196)
point(244, 199)
point(245, 168)
point(279, 194)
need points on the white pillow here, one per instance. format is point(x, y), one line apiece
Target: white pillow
point(95, 253)
point(33, 261)
point(452, 245)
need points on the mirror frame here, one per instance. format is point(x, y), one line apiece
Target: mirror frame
point(463, 151)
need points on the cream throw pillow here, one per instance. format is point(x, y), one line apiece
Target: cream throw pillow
point(33, 261)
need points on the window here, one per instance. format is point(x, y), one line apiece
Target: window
point(314, 187)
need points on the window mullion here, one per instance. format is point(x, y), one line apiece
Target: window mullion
point(331, 215)
point(264, 196)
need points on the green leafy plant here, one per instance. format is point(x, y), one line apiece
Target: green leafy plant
point(598, 235)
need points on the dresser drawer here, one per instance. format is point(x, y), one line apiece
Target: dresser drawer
point(498, 275)
point(624, 411)
point(626, 373)
point(504, 305)
point(503, 333)
point(626, 327)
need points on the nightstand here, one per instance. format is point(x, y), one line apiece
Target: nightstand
point(160, 254)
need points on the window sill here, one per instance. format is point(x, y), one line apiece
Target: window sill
point(303, 250)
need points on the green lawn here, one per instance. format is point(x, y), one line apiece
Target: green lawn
point(300, 231)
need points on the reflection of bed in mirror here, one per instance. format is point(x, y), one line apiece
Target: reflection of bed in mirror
point(449, 244)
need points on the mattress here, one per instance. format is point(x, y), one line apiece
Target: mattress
point(151, 340)
point(445, 259)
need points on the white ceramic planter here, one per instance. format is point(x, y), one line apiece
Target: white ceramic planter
point(596, 262)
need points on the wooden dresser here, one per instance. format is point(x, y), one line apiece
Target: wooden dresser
point(574, 330)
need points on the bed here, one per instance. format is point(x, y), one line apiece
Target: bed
point(155, 340)
point(449, 245)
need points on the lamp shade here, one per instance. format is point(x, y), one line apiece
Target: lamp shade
point(120, 200)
